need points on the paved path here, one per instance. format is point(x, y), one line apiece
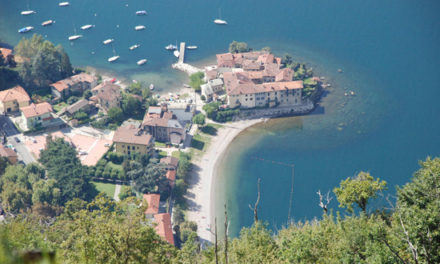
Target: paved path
point(117, 191)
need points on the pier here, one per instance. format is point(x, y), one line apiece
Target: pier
point(181, 66)
point(182, 52)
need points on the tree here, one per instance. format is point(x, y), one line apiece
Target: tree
point(358, 190)
point(131, 105)
point(238, 47)
point(196, 79)
point(87, 94)
point(115, 114)
point(287, 59)
point(266, 49)
point(126, 192)
point(199, 119)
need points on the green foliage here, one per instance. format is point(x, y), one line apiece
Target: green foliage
point(131, 106)
point(115, 157)
point(199, 119)
point(214, 112)
point(150, 179)
point(81, 115)
point(196, 79)
point(115, 114)
point(287, 59)
point(211, 109)
point(106, 188)
point(358, 190)
point(126, 192)
point(184, 166)
point(237, 47)
point(72, 100)
point(87, 94)
point(62, 164)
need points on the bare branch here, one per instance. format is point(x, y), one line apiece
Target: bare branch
point(255, 208)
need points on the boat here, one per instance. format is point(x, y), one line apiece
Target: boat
point(28, 12)
point(220, 22)
point(140, 27)
point(176, 53)
point(171, 47)
point(85, 27)
point(108, 41)
point(151, 86)
point(74, 37)
point(114, 58)
point(64, 4)
point(192, 47)
point(140, 62)
point(47, 23)
point(186, 85)
point(141, 13)
point(134, 47)
point(25, 29)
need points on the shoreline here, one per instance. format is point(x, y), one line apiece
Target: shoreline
point(200, 192)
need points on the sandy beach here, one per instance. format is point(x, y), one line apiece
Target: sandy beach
point(199, 193)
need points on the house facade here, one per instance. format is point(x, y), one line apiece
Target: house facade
point(130, 139)
point(107, 95)
point(13, 99)
point(37, 115)
point(9, 154)
point(75, 84)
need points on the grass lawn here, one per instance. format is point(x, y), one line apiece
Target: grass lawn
point(59, 106)
point(176, 154)
point(107, 188)
point(162, 154)
point(160, 144)
point(114, 166)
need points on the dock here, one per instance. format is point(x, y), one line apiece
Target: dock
point(182, 52)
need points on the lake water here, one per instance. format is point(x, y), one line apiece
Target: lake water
point(388, 51)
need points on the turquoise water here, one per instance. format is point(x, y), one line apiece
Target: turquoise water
point(388, 51)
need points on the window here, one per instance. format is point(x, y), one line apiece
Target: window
point(123, 146)
point(132, 147)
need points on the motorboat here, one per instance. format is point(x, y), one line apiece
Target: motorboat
point(151, 87)
point(140, 27)
point(64, 4)
point(134, 47)
point(112, 59)
point(47, 23)
point(141, 62)
point(75, 37)
point(85, 27)
point(141, 13)
point(25, 29)
point(28, 12)
point(220, 22)
point(171, 47)
point(108, 41)
point(176, 53)
point(192, 47)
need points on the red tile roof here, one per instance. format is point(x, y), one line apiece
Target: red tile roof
point(107, 91)
point(164, 228)
point(171, 176)
point(5, 52)
point(172, 161)
point(36, 109)
point(153, 201)
point(66, 83)
point(250, 88)
point(284, 75)
point(132, 135)
point(7, 152)
point(15, 93)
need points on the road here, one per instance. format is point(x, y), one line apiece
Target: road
point(8, 128)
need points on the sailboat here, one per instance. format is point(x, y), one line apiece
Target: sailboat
point(27, 12)
point(114, 58)
point(141, 62)
point(88, 26)
point(219, 21)
point(74, 37)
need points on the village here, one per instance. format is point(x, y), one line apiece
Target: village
point(89, 113)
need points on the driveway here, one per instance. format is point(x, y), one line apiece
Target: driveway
point(7, 127)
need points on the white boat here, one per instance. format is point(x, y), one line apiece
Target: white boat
point(25, 29)
point(152, 87)
point(220, 22)
point(112, 59)
point(140, 27)
point(47, 23)
point(192, 47)
point(171, 47)
point(28, 12)
point(140, 62)
point(108, 41)
point(134, 47)
point(85, 27)
point(64, 4)
point(176, 53)
point(141, 13)
point(74, 37)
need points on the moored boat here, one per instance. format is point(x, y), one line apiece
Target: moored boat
point(176, 53)
point(220, 22)
point(192, 47)
point(112, 59)
point(27, 12)
point(108, 41)
point(134, 47)
point(171, 47)
point(85, 27)
point(141, 13)
point(140, 62)
point(74, 37)
point(64, 4)
point(25, 29)
point(151, 86)
point(140, 27)
point(47, 23)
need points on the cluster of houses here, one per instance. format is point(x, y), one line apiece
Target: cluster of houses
point(252, 79)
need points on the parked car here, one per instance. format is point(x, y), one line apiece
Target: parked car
point(17, 139)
